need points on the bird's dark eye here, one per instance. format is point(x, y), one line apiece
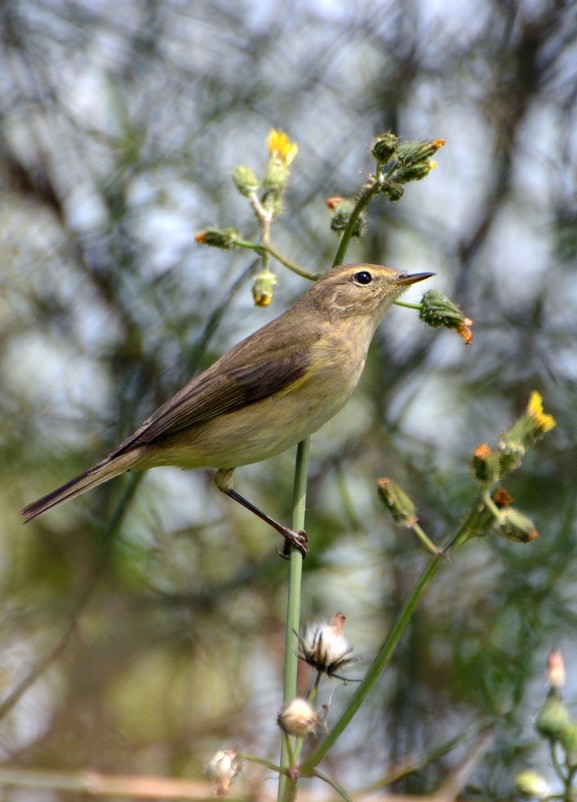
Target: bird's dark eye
point(363, 277)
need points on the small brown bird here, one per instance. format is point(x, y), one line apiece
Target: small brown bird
point(269, 392)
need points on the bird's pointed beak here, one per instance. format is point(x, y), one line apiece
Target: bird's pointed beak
point(412, 278)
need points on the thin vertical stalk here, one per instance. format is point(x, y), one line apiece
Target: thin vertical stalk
point(287, 786)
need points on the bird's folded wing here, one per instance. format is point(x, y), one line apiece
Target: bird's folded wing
point(214, 393)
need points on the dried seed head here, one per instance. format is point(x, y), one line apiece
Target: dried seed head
point(221, 770)
point(298, 718)
point(325, 648)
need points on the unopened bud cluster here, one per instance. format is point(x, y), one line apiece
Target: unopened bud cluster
point(397, 164)
point(439, 311)
point(526, 430)
point(490, 466)
point(400, 163)
point(267, 207)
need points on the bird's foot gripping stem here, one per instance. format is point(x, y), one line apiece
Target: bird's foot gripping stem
point(223, 480)
point(292, 538)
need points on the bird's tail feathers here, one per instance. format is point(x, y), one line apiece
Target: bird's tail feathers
point(100, 473)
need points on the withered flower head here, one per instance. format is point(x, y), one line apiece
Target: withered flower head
point(325, 648)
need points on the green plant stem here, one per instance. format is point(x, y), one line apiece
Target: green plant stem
point(425, 540)
point(568, 790)
point(372, 188)
point(366, 196)
point(248, 757)
point(262, 249)
point(287, 786)
point(466, 531)
point(408, 305)
point(338, 788)
point(295, 570)
point(555, 761)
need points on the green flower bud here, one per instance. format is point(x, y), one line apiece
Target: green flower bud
point(414, 172)
point(245, 180)
point(272, 201)
point(276, 175)
point(411, 153)
point(485, 464)
point(437, 310)
point(553, 719)
point(392, 190)
point(263, 288)
point(342, 212)
point(384, 147)
point(398, 503)
point(510, 456)
point(218, 237)
point(513, 525)
point(529, 783)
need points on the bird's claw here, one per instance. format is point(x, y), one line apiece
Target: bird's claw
point(297, 539)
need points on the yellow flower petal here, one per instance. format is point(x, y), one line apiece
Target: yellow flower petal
point(535, 410)
point(280, 146)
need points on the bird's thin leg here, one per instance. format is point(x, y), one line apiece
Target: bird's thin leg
point(223, 480)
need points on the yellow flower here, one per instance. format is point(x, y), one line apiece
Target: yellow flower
point(535, 410)
point(515, 440)
point(280, 147)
